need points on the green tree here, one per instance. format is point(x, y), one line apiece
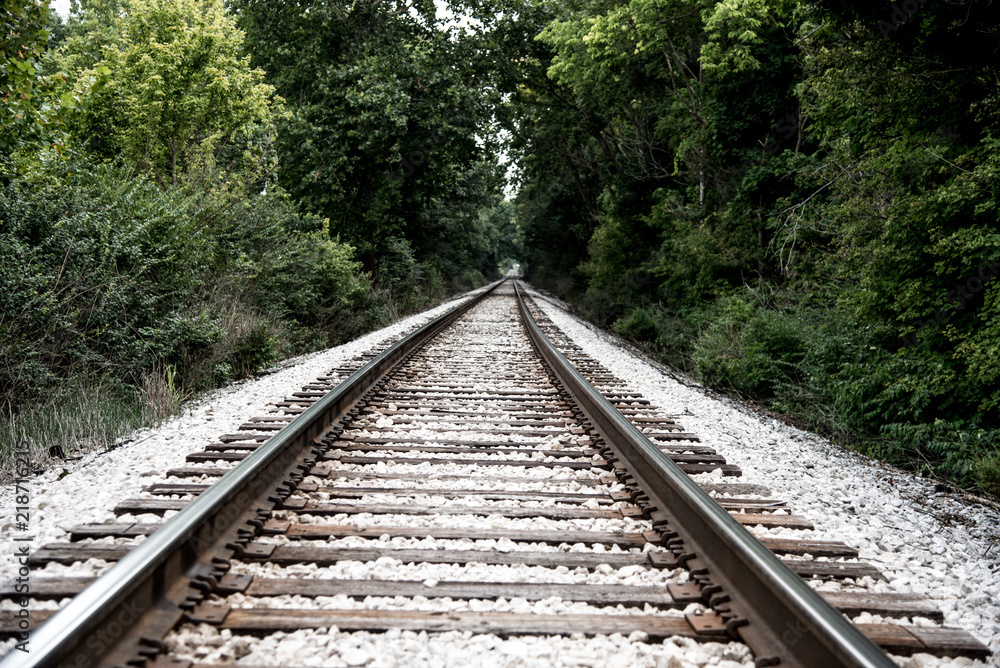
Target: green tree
point(22, 42)
point(181, 102)
point(389, 132)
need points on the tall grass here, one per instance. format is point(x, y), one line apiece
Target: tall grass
point(84, 416)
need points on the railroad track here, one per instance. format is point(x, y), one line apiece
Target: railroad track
point(468, 479)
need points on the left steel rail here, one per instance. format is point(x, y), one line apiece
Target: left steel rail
point(121, 618)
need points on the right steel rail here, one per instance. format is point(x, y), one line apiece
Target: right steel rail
point(786, 621)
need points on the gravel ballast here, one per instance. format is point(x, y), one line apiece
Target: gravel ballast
point(887, 514)
point(487, 341)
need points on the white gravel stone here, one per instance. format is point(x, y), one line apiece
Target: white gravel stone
point(388, 568)
point(406, 649)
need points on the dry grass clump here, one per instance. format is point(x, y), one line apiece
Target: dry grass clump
point(86, 416)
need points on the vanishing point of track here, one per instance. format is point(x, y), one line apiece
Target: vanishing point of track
point(482, 438)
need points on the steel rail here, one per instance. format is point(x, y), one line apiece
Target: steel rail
point(788, 621)
point(92, 628)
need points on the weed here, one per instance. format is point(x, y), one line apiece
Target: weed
point(80, 417)
point(988, 474)
point(160, 392)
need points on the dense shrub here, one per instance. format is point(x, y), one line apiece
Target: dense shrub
point(812, 364)
point(639, 325)
point(102, 272)
point(90, 261)
point(752, 349)
point(668, 334)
